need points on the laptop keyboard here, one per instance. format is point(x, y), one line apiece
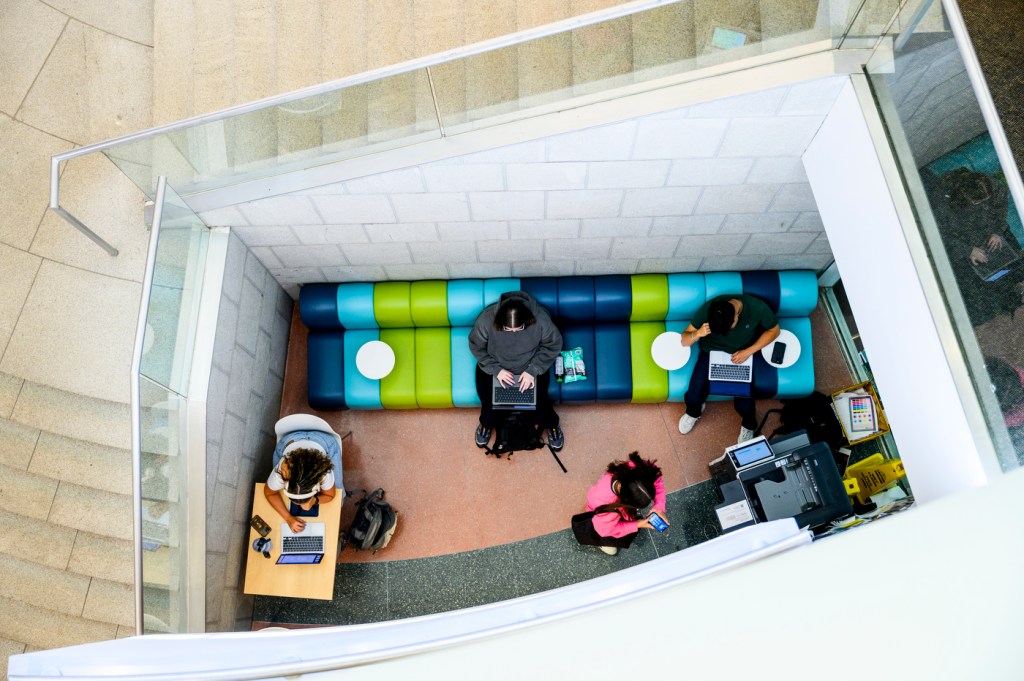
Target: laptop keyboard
point(729, 372)
point(513, 396)
point(302, 544)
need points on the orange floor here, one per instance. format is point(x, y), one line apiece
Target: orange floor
point(451, 497)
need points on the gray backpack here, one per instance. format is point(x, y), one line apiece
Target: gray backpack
point(374, 523)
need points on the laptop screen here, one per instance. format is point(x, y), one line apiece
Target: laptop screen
point(757, 450)
point(300, 559)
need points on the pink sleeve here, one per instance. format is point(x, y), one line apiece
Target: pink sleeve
point(611, 524)
point(659, 494)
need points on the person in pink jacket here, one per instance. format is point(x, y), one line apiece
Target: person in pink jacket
point(631, 488)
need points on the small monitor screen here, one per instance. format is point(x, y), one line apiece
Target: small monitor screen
point(300, 558)
point(754, 452)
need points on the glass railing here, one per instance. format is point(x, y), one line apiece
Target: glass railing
point(161, 369)
point(954, 160)
point(640, 46)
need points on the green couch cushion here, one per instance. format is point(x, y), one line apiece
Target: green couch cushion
point(434, 367)
point(398, 389)
point(650, 297)
point(650, 382)
point(391, 304)
point(429, 303)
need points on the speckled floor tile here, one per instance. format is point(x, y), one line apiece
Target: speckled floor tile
point(353, 602)
point(461, 580)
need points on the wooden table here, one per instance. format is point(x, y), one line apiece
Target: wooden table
point(265, 577)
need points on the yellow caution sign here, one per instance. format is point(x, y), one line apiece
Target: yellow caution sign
point(872, 475)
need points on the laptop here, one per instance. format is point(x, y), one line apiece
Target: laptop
point(727, 378)
point(1000, 263)
point(302, 548)
point(503, 397)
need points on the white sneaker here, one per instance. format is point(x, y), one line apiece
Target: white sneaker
point(687, 422)
point(745, 434)
point(610, 550)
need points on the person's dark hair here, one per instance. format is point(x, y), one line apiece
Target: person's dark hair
point(636, 482)
point(721, 315)
point(513, 313)
point(306, 468)
point(1006, 383)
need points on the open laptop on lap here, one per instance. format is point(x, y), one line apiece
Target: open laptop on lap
point(727, 378)
point(511, 397)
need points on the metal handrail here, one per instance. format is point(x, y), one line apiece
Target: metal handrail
point(136, 399)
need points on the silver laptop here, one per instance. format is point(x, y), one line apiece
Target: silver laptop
point(511, 397)
point(721, 368)
point(306, 547)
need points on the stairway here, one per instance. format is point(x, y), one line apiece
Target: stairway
point(66, 563)
point(293, 54)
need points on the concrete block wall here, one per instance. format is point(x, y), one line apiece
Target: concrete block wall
point(243, 404)
point(714, 186)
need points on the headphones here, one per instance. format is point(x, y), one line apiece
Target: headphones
point(263, 545)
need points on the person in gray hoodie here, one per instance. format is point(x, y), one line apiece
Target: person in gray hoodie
point(516, 337)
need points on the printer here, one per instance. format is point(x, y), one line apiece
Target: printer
point(787, 477)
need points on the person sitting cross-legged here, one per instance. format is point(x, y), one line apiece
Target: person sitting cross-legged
point(737, 324)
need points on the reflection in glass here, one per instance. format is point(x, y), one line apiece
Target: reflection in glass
point(944, 145)
point(163, 415)
point(174, 300)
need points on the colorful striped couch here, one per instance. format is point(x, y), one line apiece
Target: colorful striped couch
point(614, 318)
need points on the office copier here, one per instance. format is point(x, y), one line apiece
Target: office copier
point(788, 477)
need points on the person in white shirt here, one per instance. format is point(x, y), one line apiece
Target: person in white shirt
point(304, 473)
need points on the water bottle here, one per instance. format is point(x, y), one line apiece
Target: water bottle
point(559, 369)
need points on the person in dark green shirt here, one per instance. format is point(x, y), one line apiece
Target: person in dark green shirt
point(738, 324)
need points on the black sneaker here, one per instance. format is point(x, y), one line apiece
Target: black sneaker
point(556, 438)
point(483, 436)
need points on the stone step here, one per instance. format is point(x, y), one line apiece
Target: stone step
point(92, 510)
point(65, 592)
point(64, 413)
point(85, 463)
point(42, 628)
point(37, 540)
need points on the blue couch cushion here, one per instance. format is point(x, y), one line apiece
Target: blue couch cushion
point(576, 300)
point(463, 369)
point(763, 285)
point(545, 291)
point(613, 298)
point(318, 306)
point(614, 370)
point(360, 392)
point(465, 301)
point(325, 369)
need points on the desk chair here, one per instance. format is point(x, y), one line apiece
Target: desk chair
point(293, 422)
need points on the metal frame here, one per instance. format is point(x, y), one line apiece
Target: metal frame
point(136, 400)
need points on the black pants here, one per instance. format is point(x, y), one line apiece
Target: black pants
point(544, 416)
point(700, 388)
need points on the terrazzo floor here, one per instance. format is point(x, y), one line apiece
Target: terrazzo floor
point(474, 529)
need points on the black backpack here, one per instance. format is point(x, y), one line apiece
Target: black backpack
point(374, 523)
point(517, 432)
point(812, 413)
